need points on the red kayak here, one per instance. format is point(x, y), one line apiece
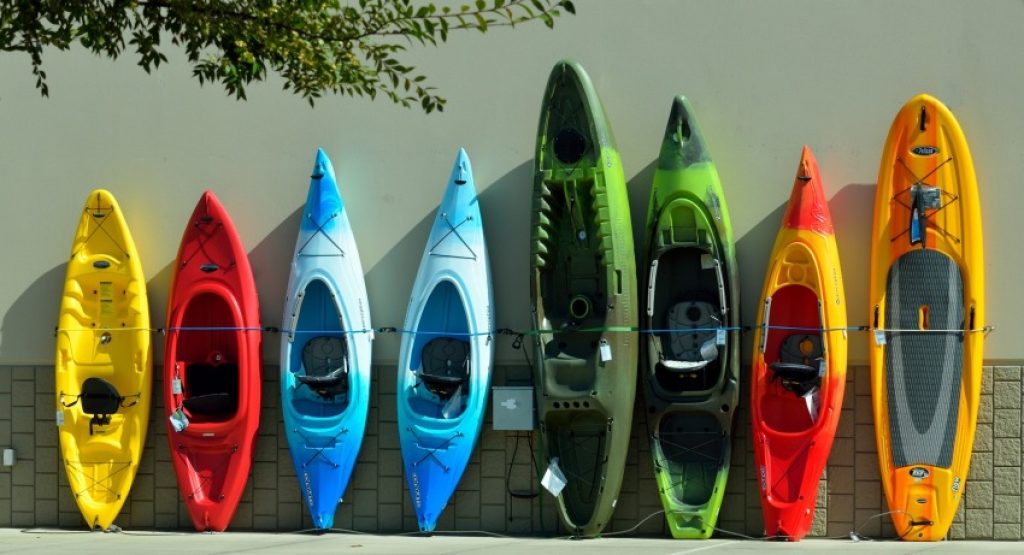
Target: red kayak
point(212, 366)
point(799, 369)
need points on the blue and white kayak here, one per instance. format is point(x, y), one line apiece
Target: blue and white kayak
point(444, 371)
point(325, 349)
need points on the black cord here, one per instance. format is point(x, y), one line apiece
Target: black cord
point(508, 475)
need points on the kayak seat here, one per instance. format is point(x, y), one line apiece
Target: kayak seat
point(445, 366)
point(800, 363)
point(692, 339)
point(325, 361)
point(212, 389)
point(99, 399)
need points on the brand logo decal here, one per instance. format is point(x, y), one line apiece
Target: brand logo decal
point(924, 150)
point(309, 490)
point(919, 473)
point(956, 484)
point(764, 478)
point(416, 490)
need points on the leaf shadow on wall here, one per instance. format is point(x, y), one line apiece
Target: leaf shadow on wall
point(30, 321)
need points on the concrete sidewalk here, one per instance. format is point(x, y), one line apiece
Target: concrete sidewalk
point(153, 543)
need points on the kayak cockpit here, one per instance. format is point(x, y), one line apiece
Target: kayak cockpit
point(319, 354)
point(441, 356)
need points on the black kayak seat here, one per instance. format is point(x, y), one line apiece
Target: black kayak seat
point(325, 361)
point(212, 389)
point(211, 404)
point(445, 366)
point(99, 399)
point(793, 370)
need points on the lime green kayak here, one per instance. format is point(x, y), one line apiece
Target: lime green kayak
point(583, 291)
point(691, 369)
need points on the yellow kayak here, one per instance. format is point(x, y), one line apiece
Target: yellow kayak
point(927, 309)
point(104, 364)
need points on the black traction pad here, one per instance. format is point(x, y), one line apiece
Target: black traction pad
point(923, 370)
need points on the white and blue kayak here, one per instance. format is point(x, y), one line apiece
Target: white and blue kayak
point(444, 370)
point(325, 349)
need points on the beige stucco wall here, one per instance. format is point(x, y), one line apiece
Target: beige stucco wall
point(765, 78)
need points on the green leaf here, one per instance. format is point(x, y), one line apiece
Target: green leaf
point(315, 46)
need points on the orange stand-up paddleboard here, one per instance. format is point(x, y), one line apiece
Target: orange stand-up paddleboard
point(927, 310)
point(799, 369)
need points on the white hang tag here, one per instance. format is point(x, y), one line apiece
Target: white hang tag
point(553, 480)
point(60, 417)
point(708, 350)
point(822, 367)
point(606, 350)
point(707, 262)
point(720, 336)
point(176, 386)
point(373, 335)
point(179, 421)
point(879, 337)
point(451, 408)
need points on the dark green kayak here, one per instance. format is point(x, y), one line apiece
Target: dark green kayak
point(583, 290)
point(691, 371)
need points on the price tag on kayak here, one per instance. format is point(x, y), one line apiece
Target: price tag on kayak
point(178, 420)
point(60, 417)
point(606, 351)
point(176, 386)
point(720, 337)
point(879, 337)
point(554, 479)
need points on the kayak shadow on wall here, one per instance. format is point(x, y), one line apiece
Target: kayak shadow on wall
point(389, 285)
point(852, 211)
point(271, 277)
point(638, 189)
point(29, 323)
point(271, 265)
point(505, 206)
point(753, 249)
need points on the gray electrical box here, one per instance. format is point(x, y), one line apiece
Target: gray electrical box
point(512, 407)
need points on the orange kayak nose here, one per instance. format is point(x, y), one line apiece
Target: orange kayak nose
point(807, 207)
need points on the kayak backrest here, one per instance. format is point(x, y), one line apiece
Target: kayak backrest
point(325, 361)
point(445, 366)
point(799, 367)
point(693, 336)
point(212, 389)
point(100, 397)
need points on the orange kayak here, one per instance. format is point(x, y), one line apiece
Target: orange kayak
point(799, 364)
